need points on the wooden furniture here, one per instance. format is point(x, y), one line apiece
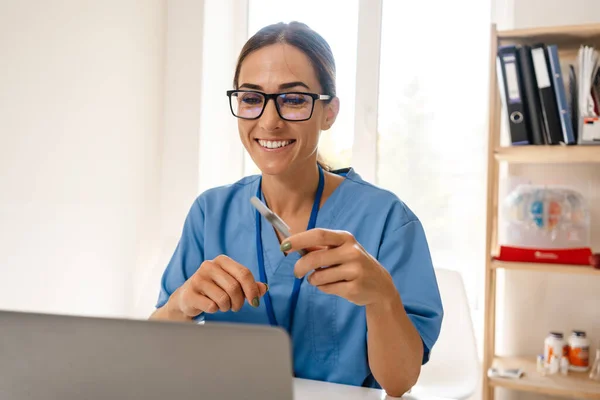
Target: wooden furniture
point(575, 385)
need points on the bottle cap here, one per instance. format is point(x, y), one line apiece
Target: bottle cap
point(558, 335)
point(578, 333)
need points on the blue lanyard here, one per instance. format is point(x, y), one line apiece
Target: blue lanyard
point(261, 262)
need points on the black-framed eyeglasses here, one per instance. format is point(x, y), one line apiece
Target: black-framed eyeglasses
point(291, 106)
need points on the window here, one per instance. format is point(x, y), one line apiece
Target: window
point(432, 125)
point(336, 144)
point(413, 80)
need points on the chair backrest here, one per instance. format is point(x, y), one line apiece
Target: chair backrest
point(453, 367)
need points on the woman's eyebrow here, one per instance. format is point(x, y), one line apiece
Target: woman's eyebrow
point(290, 85)
point(287, 85)
point(251, 86)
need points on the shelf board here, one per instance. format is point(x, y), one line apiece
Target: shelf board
point(545, 154)
point(552, 34)
point(546, 267)
point(573, 385)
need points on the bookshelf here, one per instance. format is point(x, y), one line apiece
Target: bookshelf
point(549, 154)
point(541, 267)
point(574, 385)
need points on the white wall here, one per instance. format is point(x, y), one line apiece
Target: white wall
point(81, 92)
point(180, 173)
point(200, 61)
point(226, 31)
point(554, 301)
point(532, 13)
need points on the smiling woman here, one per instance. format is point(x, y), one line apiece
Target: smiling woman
point(270, 58)
point(366, 261)
point(335, 144)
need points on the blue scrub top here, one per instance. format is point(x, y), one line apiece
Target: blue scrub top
point(329, 333)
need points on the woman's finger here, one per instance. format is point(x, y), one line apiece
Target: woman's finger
point(317, 237)
point(216, 294)
point(322, 258)
point(230, 285)
point(326, 276)
point(193, 303)
point(342, 289)
point(262, 288)
point(311, 249)
point(243, 275)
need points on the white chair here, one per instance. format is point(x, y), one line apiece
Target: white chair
point(453, 369)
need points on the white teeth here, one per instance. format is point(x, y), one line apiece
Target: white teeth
point(273, 144)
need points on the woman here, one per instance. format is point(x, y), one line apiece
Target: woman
point(378, 277)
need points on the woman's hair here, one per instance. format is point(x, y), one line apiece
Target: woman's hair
point(306, 40)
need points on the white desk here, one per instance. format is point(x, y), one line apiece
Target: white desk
point(316, 390)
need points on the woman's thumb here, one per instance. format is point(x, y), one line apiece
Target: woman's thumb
point(262, 288)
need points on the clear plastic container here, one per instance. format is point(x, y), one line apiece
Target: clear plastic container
point(595, 372)
point(545, 217)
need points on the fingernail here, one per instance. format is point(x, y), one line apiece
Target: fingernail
point(267, 286)
point(285, 246)
point(255, 302)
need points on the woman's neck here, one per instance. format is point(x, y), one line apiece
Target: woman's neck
point(293, 193)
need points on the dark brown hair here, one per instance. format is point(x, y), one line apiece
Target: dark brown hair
point(306, 40)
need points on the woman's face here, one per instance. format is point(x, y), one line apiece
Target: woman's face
point(276, 145)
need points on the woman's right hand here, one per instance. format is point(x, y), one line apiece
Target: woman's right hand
point(221, 284)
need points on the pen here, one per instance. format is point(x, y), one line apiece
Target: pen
point(273, 220)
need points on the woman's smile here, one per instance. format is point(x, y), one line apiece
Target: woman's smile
point(275, 145)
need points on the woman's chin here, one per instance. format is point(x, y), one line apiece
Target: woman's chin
point(281, 166)
point(273, 168)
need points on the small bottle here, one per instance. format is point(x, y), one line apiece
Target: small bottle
point(595, 372)
point(541, 364)
point(579, 351)
point(554, 345)
point(564, 365)
point(554, 365)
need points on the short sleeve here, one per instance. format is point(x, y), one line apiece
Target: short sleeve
point(187, 257)
point(404, 252)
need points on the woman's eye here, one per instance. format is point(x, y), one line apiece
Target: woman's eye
point(251, 100)
point(294, 100)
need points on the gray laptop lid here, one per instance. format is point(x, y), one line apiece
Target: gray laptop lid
point(74, 358)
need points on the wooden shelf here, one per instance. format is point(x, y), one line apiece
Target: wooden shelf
point(573, 385)
point(583, 159)
point(545, 267)
point(544, 154)
point(551, 34)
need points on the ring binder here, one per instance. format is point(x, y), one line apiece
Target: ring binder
point(511, 84)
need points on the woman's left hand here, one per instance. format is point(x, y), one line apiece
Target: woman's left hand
point(341, 266)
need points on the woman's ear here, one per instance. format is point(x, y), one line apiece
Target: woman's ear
point(331, 112)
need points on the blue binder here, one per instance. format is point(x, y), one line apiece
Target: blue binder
point(510, 82)
point(566, 121)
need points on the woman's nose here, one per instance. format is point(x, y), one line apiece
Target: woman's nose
point(270, 119)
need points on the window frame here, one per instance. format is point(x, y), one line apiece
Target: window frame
point(364, 147)
point(228, 20)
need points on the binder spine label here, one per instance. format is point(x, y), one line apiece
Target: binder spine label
point(541, 71)
point(512, 83)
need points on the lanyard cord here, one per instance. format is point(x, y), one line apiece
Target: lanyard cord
point(261, 262)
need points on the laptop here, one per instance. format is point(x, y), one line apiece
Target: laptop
point(44, 356)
